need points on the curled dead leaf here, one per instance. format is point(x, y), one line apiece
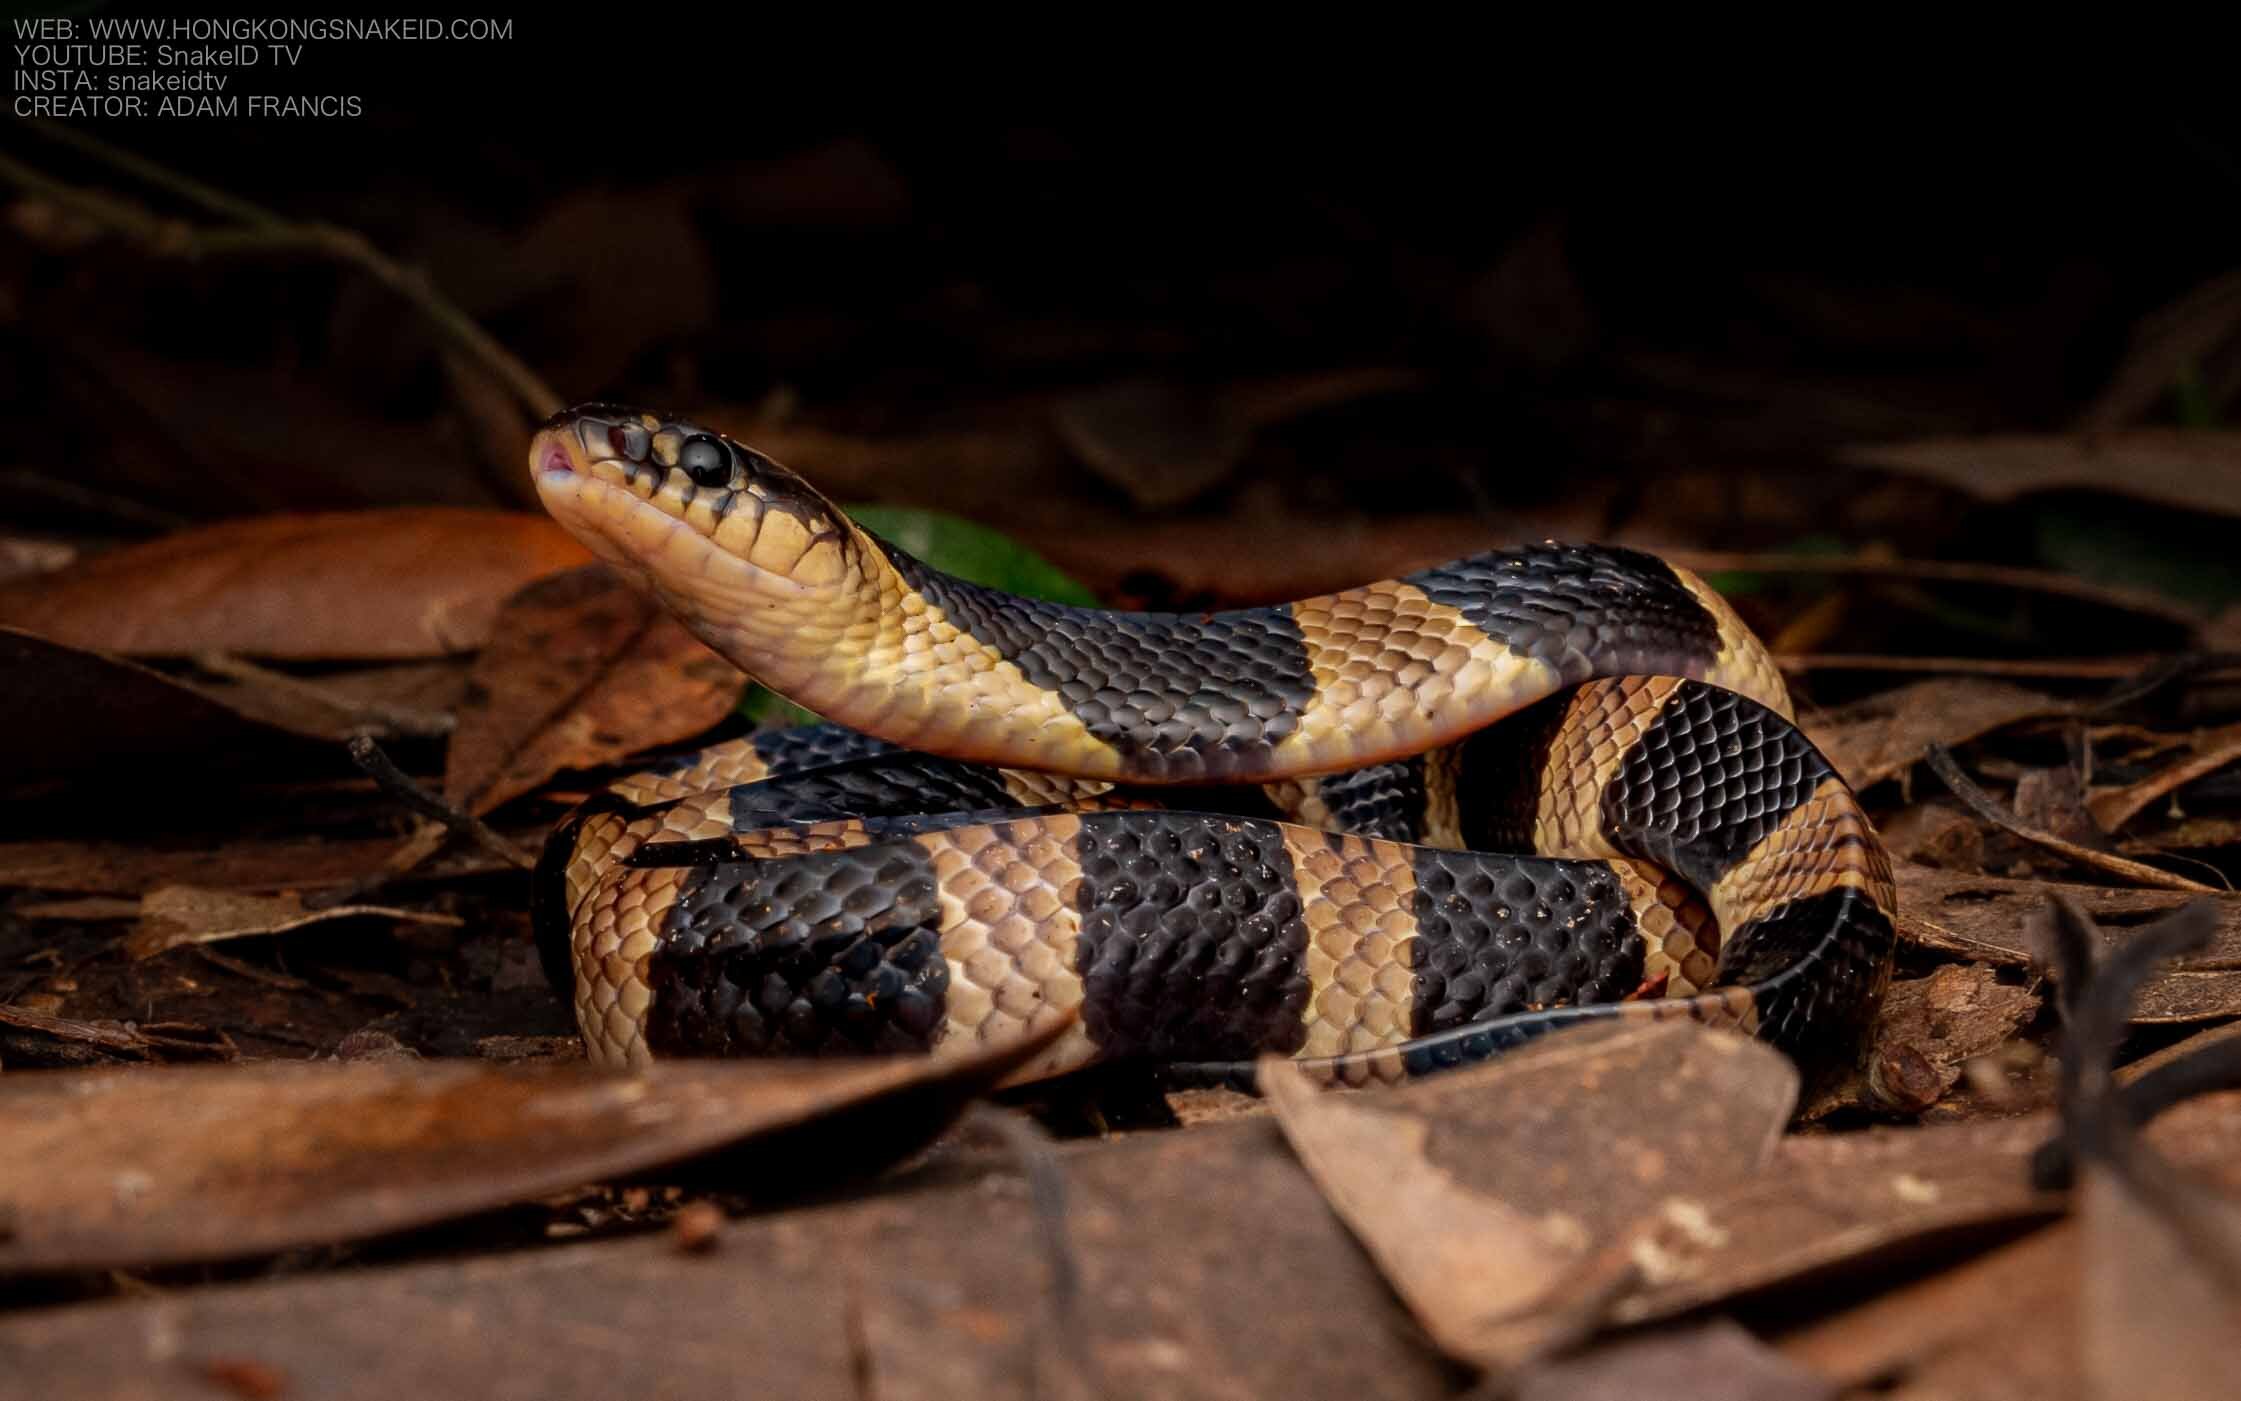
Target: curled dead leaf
point(186, 1164)
point(1988, 918)
point(414, 582)
point(1609, 1137)
point(582, 670)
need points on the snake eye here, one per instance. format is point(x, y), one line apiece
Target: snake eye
point(630, 440)
point(705, 460)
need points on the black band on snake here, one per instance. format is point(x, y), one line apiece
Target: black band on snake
point(993, 835)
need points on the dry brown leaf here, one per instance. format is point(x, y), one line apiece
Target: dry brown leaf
point(1428, 1233)
point(68, 711)
point(1611, 1137)
point(2153, 1317)
point(169, 1165)
point(2177, 1050)
point(1883, 736)
point(1827, 1204)
point(174, 916)
point(1989, 918)
point(2113, 807)
point(1929, 1337)
point(2192, 469)
point(418, 582)
point(1934, 832)
point(583, 671)
point(1710, 1361)
point(1926, 1030)
point(942, 1287)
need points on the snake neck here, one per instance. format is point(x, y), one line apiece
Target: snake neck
point(877, 649)
point(890, 646)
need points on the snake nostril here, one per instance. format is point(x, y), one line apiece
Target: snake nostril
point(555, 458)
point(629, 439)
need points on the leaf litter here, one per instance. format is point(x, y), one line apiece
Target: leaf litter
point(403, 583)
point(584, 670)
point(1599, 1212)
point(113, 1171)
point(1568, 1222)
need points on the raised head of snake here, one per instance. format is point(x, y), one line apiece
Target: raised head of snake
point(774, 577)
point(749, 555)
point(651, 494)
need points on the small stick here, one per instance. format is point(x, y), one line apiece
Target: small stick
point(255, 229)
point(396, 719)
point(383, 770)
point(1982, 804)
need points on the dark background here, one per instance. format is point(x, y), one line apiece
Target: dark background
point(1023, 277)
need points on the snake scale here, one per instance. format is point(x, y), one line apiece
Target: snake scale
point(1214, 836)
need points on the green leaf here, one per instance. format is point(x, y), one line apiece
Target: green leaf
point(2189, 558)
point(957, 546)
point(1735, 583)
point(772, 711)
point(954, 546)
point(2190, 400)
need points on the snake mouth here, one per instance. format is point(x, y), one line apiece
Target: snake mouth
point(550, 455)
point(676, 502)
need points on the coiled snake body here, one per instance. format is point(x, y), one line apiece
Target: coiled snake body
point(975, 850)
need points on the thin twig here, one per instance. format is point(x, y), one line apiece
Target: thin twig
point(1983, 805)
point(256, 229)
point(2039, 581)
point(390, 719)
point(368, 755)
point(2060, 668)
point(163, 178)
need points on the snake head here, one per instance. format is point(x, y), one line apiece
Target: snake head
point(664, 497)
